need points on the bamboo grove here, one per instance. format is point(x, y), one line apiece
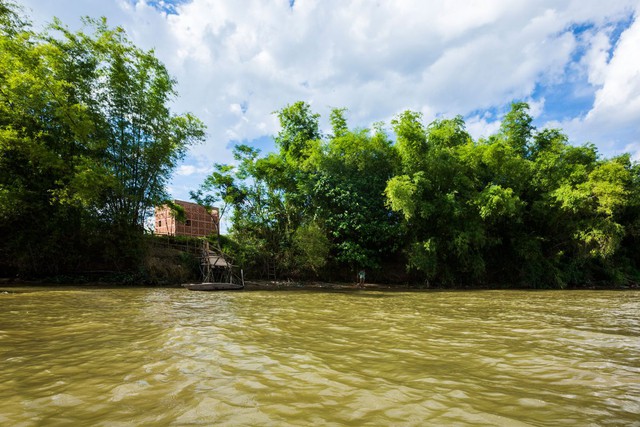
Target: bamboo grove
point(87, 145)
point(431, 206)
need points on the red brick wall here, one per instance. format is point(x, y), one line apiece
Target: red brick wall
point(198, 221)
point(165, 222)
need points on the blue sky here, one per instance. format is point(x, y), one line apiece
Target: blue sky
point(576, 62)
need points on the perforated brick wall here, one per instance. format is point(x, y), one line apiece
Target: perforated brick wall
point(198, 223)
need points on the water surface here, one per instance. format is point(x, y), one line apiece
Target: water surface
point(112, 357)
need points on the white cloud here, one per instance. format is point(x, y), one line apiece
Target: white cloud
point(634, 150)
point(597, 56)
point(237, 62)
point(187, 170)
point(536, 107)
point(618, 100)
point(482, 126)
point(613, 122)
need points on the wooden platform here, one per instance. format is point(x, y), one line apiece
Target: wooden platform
point(213, 286)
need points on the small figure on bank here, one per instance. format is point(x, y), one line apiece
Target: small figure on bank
point(361, 278)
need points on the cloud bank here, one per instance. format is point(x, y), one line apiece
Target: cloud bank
point(236, 62)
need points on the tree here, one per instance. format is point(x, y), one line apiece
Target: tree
point(436, 195)
point(38, 123)
point(411, 140)
point(135, 141)
point(87, 142)
point(349, 173)
point(520, 208)
point(516, 127)
point(299, 128)
point(315, 200)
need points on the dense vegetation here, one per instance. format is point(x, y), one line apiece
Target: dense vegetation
point(87, 144)
point(522, 207)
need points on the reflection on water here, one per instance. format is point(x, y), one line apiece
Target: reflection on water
point(173, 357)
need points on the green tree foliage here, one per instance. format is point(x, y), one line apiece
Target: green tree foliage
point(134, 142)
point(348, 174)
point(521, 208)
point(438, 197)
point(516, 128)
point(87, 142)
point(261, 215)
point(316, 202)
point(36, 151)
point(311, 248)
point(268, 197)
point(299, 128)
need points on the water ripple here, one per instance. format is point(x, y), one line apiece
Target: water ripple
point(172, 357)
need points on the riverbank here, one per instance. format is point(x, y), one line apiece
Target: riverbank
point(281, 284)
point(256, 285)
point(319, 285)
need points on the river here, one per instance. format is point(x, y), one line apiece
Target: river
point(155, 357)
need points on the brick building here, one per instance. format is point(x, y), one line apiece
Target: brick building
point(198, 222)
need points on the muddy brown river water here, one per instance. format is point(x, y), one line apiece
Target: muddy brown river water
point(156, 357)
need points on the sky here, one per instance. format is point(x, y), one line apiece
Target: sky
point(577, 64)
